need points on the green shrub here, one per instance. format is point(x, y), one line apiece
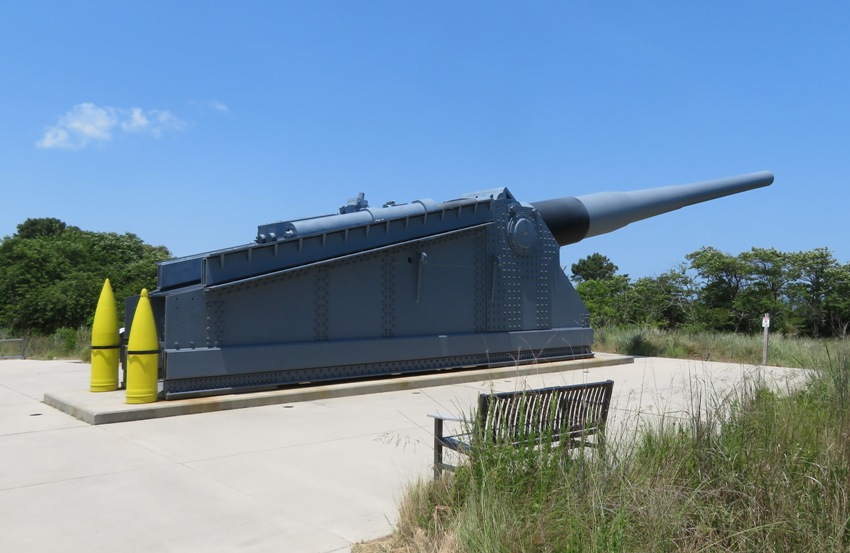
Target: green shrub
point(64, 341)
point(637, 343)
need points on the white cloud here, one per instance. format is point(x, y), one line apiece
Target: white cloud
point(88, 120)
point(55, 138)
point(87, 123)
point(164, 121)
point(135, 122)
point(218, 106)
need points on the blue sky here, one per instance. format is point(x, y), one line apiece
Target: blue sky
point(190, 123)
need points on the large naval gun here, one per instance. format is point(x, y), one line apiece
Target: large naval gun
point(401, 288)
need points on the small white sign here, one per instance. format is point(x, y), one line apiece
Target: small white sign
point(765, 321)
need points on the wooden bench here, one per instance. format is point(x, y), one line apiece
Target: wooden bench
point(573, 414)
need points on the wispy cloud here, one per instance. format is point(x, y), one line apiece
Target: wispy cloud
point(218, 106)
point(87, 123)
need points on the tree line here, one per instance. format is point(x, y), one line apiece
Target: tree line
point(51, 273)
point(806, 293)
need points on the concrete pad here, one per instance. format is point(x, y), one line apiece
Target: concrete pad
point(164, 509)
point(111, 407)
point(34, 378)
point(40, 457)
point(355, 498)
point(33, 417)
point(316, 475)
point(9, 396)
point(222, 434)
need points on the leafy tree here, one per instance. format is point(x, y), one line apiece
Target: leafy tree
point(769, 274)
point(838, 300)
point(816, 272)
point(666, 301)
point(805, 292)
point(593, 267)
point(51, 274)
point(605, 293)
point(606, 300)
point(34, 228)
point(724, 277)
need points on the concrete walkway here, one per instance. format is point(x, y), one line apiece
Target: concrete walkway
point(313, 476)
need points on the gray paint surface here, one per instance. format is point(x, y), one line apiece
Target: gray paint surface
point(393, 289)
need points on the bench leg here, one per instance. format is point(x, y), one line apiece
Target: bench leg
point(438, 448)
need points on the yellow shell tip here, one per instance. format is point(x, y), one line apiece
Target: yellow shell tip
point(144, 292)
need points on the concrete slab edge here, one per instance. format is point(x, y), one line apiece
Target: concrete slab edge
point(73, 403)
point(68, 408)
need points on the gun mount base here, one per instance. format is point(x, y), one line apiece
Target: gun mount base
point(218, 371)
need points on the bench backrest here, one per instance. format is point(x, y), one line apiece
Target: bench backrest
point(552, 414)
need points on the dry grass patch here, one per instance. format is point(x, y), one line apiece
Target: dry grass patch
point(766, 472)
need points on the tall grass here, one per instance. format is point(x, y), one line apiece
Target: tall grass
point(783, 351)
point(762, 472)
point(65, 343)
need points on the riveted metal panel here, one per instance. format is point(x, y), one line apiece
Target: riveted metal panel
point(321, 302)
point(434, 273)
point(355, 298)
point(181, 388)
point(185, 320)
point(257, 259)
point(546, 275)
point(278, 308)
point(480, 281)
point(499, 270)
point(388, 297)
point(332, 360)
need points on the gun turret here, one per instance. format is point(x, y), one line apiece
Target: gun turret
point(401, 288)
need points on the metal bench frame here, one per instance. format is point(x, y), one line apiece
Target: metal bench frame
point(574, 414)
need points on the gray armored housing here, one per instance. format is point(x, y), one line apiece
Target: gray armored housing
point(394, 289)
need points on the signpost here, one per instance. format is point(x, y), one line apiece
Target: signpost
point(765, 324)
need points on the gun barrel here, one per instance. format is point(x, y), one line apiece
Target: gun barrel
point(572, 219)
